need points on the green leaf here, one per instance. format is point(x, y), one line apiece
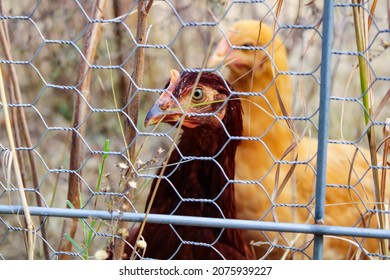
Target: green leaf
point(74, 243)
point(106, 149)
point(70, 205)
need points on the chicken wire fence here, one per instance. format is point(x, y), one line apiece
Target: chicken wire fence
point(312, 198)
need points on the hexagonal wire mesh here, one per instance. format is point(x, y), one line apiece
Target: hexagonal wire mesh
point(275, 162)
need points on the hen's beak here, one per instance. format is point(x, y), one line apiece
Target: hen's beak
point(165, 109)
point(162, 111)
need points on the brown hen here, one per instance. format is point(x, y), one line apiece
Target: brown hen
point(266, 194)
point(196, 181)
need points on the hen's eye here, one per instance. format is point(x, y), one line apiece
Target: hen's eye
point(248, 44)
point(198, 94)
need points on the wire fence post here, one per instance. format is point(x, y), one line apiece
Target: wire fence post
point(326, 58)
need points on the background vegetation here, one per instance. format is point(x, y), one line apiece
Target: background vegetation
point(52, 69)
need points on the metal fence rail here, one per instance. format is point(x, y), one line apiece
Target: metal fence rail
point(198, 221)
point(328, 107)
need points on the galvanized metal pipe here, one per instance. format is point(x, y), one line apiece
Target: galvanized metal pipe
point(323, 125)
point(199, 221)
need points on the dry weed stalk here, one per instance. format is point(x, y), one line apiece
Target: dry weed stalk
point(92, 37)
point(385, 163)
point(362, 24)
point(30, 240)
point(18, 116)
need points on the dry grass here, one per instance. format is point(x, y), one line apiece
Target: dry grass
point(58, 64)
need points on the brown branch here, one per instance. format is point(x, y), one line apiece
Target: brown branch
point(133, 99)
point(142, 13)
point(388, 13)
point(20, 117)
point(123, 81)
point(79, 113)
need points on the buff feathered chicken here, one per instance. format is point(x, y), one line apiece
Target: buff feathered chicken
point(263, 160)
point(198, 185)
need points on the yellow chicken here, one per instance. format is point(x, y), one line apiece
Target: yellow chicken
point(273, 184)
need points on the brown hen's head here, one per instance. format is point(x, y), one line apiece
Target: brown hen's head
point(200, 101)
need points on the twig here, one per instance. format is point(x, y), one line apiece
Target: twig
point(385, 163)
point(79, 113)
point(388, 13)
point(28, 220)
point(143, 10)
point(142, 16)
point(123, 81)
point(20, 115)
point(386, 153)
point(361, 32)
